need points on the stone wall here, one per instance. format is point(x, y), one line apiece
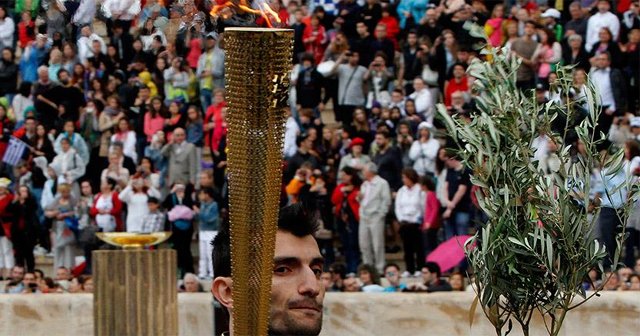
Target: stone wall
point(616, 313)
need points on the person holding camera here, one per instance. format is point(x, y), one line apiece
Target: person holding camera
point(351, 77)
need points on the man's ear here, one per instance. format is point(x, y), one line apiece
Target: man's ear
point(221, 290)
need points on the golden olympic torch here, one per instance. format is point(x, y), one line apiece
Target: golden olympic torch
point(257, 66)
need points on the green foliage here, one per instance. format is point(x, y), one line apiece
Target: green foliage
point(537, 247)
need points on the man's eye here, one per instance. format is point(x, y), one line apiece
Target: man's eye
point(317, 272)
point(281, 270)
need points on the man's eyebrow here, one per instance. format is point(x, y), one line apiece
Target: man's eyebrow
point(295, 260)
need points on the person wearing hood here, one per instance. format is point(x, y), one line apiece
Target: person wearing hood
point(69, 165)
point(424, 150)
point(145, 78)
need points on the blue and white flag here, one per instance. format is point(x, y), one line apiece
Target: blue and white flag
point(14, 152)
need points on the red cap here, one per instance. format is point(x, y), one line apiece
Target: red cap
point(356, 142)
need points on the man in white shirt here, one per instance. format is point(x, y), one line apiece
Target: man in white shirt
point(375, 199)
point(423, 100)
point(85, 44)
point(611, 87)
point(603, 18)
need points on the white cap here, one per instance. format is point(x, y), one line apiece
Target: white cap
point(425, 124)
point(551, 12)
point(634, 122)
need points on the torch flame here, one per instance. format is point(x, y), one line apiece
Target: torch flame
point(263, 10)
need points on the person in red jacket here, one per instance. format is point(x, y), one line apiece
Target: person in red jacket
point(431, 221)
point(6, 248)
point(347, 211)
point(107, 208)
point(393, 27)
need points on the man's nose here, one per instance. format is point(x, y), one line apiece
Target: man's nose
point(309, 284)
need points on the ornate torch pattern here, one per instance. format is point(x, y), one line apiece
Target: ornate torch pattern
point(257, 66)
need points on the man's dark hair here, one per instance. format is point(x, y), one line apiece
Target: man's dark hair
point(391, 265)
point(209, 191)
point(339, 268)
point(61, 71)
point(295, 219)
point(433, 268)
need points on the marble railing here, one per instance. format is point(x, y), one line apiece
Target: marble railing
point(447, 314)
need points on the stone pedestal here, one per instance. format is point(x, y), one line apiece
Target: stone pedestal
point(135, 292)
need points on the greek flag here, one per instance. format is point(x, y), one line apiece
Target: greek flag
point(14, 152)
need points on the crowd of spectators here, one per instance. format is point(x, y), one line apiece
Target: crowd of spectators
point(121, 105)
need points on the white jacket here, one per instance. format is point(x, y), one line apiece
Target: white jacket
point(410, 204)
point(423, 155)
point(7, 29)
point(375, 198)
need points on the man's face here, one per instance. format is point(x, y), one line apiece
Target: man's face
point(602, 61)
point(351, 285)
point(191, 285)
point(603, 6)
point(17, 273)
point(458, 71)
point(327, 282)
point(418, 84)
point(297, 292)
point(361, 28)
point(381, 32)
point(30, 125)
point(575, 12)
point(393, 276)
point(62, 274)
point(396, 97)
point(354, 58)
point(529, 29)
point(28, 279)
point(381, 141)
point(97, 47)
point(179, 135)
point(427, 276)
point(69, 127)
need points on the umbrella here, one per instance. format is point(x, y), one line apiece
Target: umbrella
point(450, 253)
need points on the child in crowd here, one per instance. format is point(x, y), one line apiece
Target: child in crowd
point(154, 220)
point(208, 215)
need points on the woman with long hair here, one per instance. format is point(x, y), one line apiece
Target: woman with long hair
point(176, 81)
point(25, 228)
point(360, 128)
point(409, 210)
point(107, 207)
point(347, 211)
point(154, 117)
point(135, 196)
point(548, 54)
point(127, 137)
point(606, 44)
point(107, 121)
point(175, 119)
point(493, 27)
